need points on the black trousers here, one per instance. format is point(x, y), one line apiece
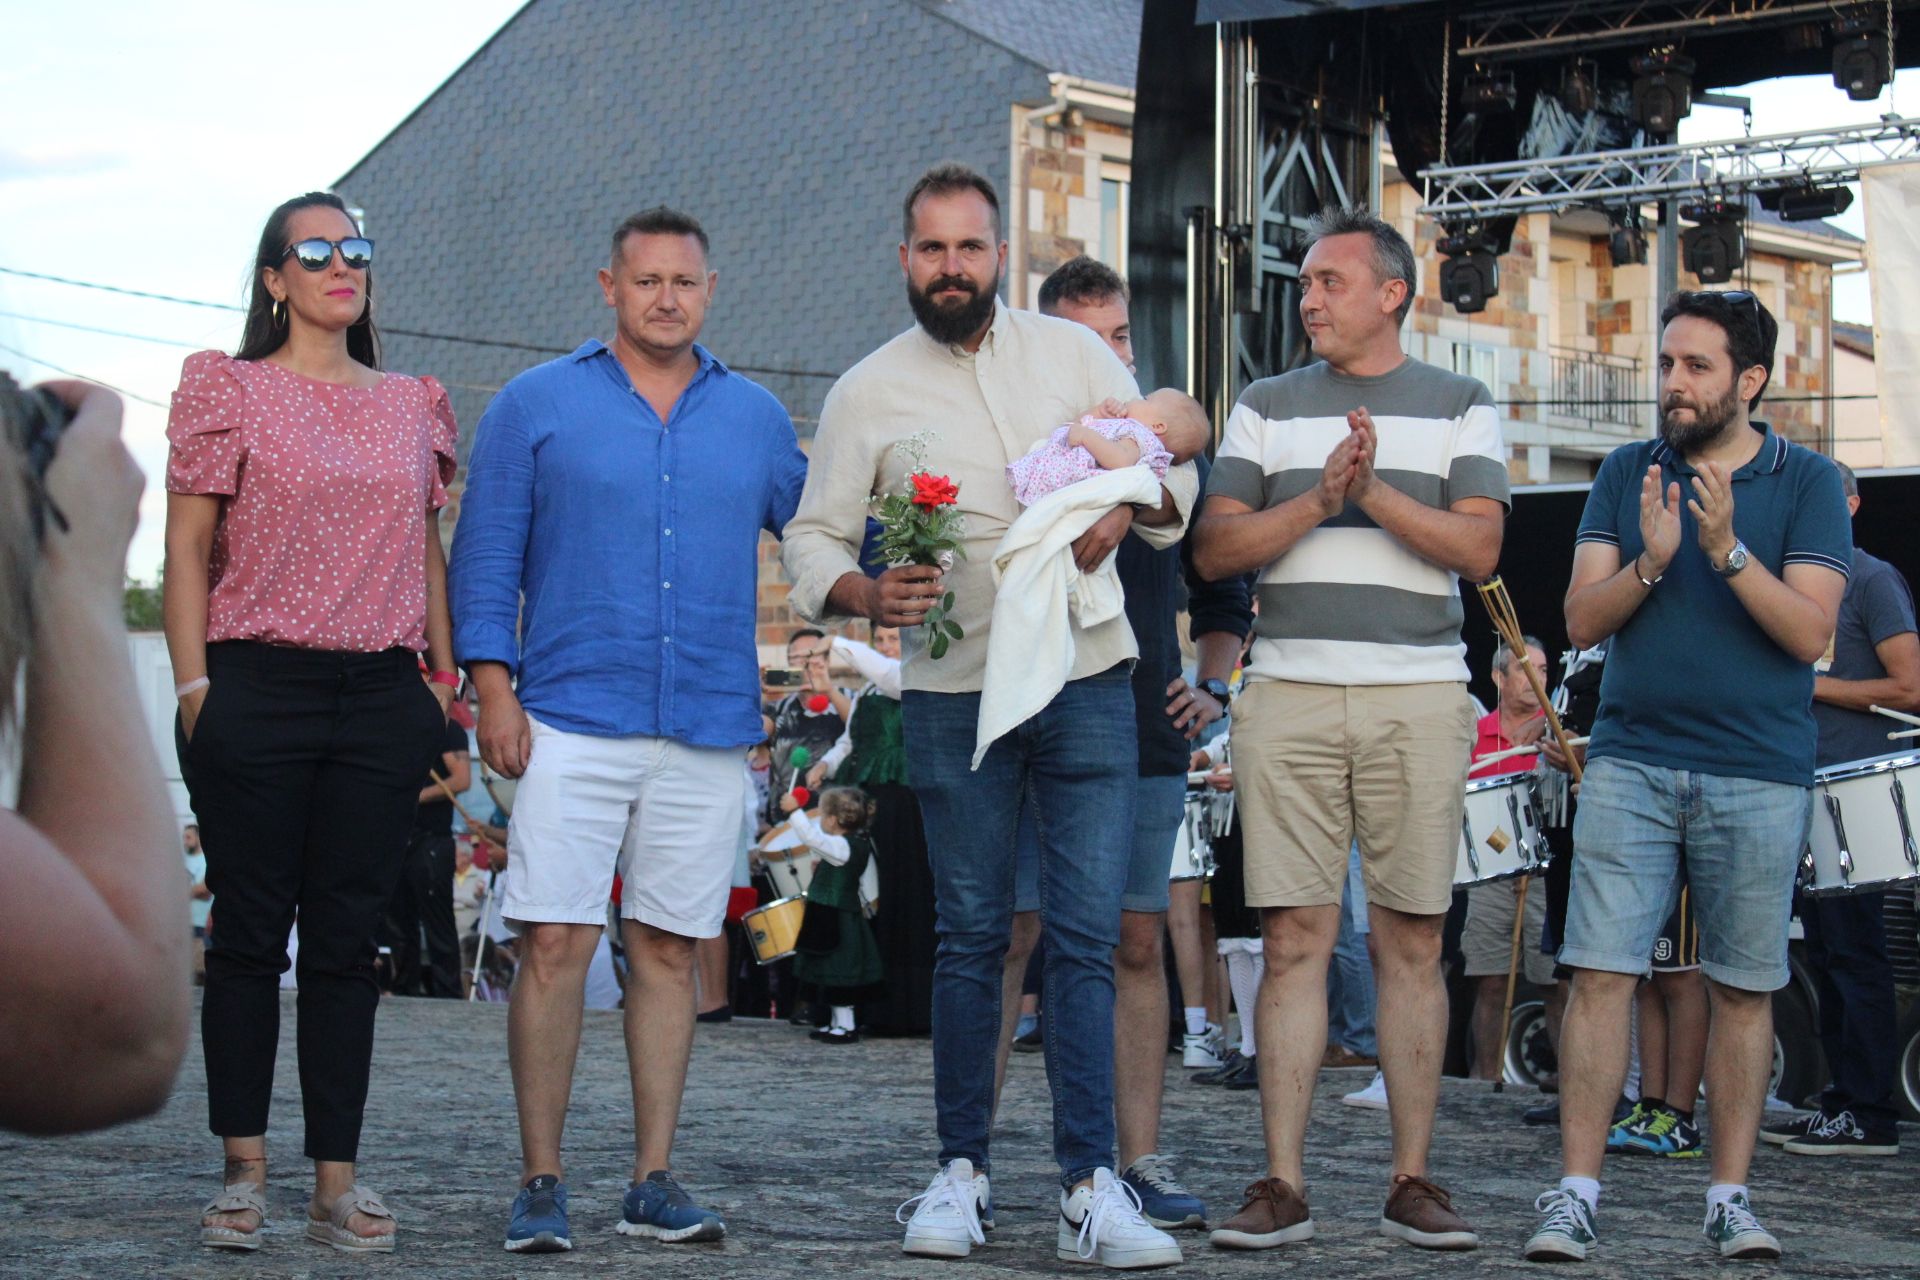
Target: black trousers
point(423, 900)
point(304, 770)
point(1853, 976)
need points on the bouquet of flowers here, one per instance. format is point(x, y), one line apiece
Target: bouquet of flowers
point(920, 523)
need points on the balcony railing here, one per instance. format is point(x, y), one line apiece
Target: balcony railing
point(1599, 391)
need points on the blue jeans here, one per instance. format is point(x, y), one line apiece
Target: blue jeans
point(1077, 760)
point(1159, 807)
point(1350, 995)
point(1739, 842)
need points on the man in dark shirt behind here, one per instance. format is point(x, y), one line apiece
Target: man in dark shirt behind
point(1876, 662)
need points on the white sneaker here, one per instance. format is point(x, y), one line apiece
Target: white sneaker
point(1102, 1224)
point(1373, 1096)
point(1204, 1052)
point(946, 1216)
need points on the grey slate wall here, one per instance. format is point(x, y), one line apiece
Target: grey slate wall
point(791, 128)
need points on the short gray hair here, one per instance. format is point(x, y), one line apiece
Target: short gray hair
point(1849, 482)
point(1503, 656)
point(1392, 255)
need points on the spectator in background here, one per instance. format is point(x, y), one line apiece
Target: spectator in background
point(89, 882)
point(812, 716)
point(469, 889)
point(423, 900)
point(199, 897)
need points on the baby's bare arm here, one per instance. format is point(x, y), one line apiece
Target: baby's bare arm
point(1110, 454)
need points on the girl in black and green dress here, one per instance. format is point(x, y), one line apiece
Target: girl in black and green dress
point(837, 951)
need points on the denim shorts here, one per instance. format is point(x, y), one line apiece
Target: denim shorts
point(1739, 842)
point(1159, 807)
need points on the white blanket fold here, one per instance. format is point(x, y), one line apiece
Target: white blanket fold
point(1030, 641)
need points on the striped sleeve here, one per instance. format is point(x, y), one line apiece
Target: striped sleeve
point(1478, 467)
point(1600, 522)
point(1820, 530)
point(1239, 467)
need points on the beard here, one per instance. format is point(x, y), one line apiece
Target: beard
point(953, 322)
point(1709, 420)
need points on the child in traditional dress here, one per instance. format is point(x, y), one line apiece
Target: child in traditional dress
point(1161, 430)
point(837, 950)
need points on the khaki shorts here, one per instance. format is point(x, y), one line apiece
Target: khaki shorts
point(1487, 940)
point(1317, 766)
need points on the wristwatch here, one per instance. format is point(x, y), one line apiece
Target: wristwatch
point(1215, 688)
point(1736, 560)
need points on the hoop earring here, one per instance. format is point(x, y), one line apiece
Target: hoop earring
point(279, 312)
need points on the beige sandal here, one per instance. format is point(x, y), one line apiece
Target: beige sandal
point(241, 1197)
point(334, 1229)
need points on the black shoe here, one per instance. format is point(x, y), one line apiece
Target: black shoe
point(1547, 1114)
point(1622, 1109)
point(1214, 1075)
point(1841, 1135)
point(1785, 1131)
point(1032, 1041)
point(1246, 1076)
point(834, 1035)
point(723, 1014)
point(802, 1016)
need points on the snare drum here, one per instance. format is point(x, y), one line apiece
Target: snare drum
point(773, 930)
point(1862, 838)
point(790, 864)
point(1193, 841)
point(1499, 831)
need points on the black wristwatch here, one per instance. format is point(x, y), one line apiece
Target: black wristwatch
point(1216, 688)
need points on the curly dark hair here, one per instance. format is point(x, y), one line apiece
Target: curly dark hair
point(1750, 328)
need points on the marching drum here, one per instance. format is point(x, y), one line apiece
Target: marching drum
point(1862, 838)
point(1193, 842)
point(773, 930)
point(1499, 832)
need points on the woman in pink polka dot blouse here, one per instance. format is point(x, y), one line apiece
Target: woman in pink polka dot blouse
point(304, 578)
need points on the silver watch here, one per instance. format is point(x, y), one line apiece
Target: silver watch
point(1736, 560)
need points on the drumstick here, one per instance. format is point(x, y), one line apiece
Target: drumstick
point(1201, 775)
point(1493, 593)
point(473, 825)
point(1891, 714)
point(1513, 976)
point(1494, 757)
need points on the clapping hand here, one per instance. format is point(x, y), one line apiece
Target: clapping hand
point(1659, 523)
point(1712, 507)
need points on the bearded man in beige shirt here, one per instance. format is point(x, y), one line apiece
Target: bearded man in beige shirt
point(988, 383)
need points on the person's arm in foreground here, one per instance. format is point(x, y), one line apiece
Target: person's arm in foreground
point(92, 936)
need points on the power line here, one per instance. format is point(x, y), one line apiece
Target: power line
point(507, 344)
point(87, 328)
point(72, 373)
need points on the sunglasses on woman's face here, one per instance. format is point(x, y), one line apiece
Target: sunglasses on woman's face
point(317, 255)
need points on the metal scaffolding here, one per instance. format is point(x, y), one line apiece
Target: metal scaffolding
point(1472, 193)
point(1528, 30)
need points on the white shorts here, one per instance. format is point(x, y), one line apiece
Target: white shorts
point(663, 814)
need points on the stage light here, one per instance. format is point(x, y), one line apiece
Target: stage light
point(1805, 203)
point(1716, 248)
point(1489, 91)
point(1471, 272)
point(1628, 243)
point(1860, 57)
point(1662, 90)
point(1580, 86)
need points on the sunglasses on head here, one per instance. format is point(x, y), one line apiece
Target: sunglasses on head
point(1739, 298)
point(317, 254)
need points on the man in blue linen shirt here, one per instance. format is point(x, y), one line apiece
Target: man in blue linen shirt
point(619, 492)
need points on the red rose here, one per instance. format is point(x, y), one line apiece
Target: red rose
point(933, 491)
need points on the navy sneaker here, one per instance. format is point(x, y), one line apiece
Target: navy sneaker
point(539, 1221)
point(1164, 1202)
point(661, 1209)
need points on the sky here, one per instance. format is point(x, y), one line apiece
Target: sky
point(150, 163)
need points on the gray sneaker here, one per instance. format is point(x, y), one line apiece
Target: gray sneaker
point(1567, 1234)
point(1737, 1233)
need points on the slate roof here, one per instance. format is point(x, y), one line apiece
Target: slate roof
point(1092, 39)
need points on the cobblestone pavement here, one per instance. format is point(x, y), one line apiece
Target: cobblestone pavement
point(807, 1149)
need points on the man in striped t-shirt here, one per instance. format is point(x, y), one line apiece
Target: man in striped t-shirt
point(1359, 489)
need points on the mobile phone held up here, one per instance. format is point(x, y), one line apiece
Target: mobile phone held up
point(785, 678)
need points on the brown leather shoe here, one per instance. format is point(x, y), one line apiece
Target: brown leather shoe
point(1274, 1214)
point(1338, 1055)
point(1421, 1213)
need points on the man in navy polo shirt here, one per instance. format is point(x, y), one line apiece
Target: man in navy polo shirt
point(607, 557)
point(1715, 558)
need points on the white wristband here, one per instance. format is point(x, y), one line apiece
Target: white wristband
point(182, 690)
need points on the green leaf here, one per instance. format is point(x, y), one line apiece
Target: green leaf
point(939, 646)
point(953, 629)
point(946, 602)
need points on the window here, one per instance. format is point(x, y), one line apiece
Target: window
point(1112, 248)
point(1475, 361)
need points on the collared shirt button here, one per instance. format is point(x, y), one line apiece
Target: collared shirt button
point(666, 586)
point(667, 532)
point(665, 476)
